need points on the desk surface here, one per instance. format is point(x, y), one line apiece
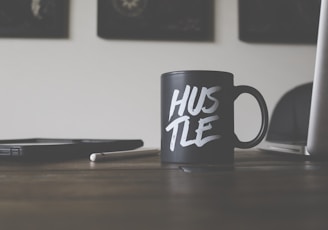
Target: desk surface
point(262, 191)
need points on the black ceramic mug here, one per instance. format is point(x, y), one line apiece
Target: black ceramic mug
point(197, 117)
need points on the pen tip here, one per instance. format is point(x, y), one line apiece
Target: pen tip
point(92, 157)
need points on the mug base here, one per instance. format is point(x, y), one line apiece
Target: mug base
point(207, 168)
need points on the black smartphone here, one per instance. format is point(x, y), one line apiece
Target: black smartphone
point(41, 149)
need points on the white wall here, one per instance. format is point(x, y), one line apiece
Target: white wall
point(89, 87)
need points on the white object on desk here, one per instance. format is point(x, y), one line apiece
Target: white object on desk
point(140, 152)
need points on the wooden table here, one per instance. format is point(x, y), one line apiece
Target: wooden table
point(261, 191)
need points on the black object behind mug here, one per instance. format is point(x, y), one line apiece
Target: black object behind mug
point(197, 117)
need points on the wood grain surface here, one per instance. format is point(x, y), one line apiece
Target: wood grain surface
point(261, 191)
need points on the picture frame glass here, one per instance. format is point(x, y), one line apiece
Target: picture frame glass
point(279, 21)
point(34, 18)
point(156, 19)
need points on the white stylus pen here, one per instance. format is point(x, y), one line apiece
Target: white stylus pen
point(140, 152)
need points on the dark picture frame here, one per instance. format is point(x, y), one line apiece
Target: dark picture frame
point(279, 21)
point(34, 18)
point(156, 19)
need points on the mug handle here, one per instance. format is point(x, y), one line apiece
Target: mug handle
point(264, 114)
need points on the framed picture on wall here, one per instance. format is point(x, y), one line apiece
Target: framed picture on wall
point(34, 18)
point(156, 19)
point(279, 21)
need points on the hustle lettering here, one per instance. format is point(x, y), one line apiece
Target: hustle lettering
point(192, 103)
